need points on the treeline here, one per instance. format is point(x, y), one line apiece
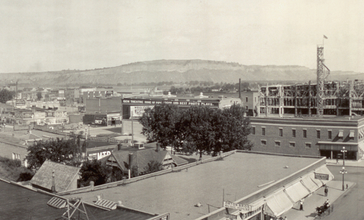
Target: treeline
point(207, 88)
point(199, 129)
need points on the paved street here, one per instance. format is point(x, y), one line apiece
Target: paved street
point(351, 205)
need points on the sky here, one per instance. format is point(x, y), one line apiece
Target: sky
point(51, 35)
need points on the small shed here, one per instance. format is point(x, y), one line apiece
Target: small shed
point(65, 177)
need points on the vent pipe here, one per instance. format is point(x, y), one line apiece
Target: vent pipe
point(130, 164)
point(53, 189)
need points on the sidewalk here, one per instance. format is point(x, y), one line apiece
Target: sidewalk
point(348, 163)
point(317, 199)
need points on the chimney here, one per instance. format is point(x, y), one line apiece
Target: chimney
point(92, 184)
point(119, 146)
point(98, 197)
point(130, 164)
point(157, 147)
point(53, 189)
point(120, 203)
point(239, 88)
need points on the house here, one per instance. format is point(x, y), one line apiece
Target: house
point(65, 177)
point(141, 158)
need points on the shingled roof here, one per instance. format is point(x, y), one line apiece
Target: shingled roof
point(141, 158)
point(64, 176)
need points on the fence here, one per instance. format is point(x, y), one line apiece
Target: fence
point(145, 176)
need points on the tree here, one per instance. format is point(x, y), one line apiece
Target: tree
point(235, 129)
point(94, 170)
point(195, 127)
point(153, 166)
point(199, 129)
point(159, 123)
point(39, 95)
point(57, 150)
point(6, 95)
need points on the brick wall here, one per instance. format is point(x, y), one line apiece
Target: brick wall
point(298, 145)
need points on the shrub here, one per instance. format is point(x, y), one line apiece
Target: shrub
point(25, 176)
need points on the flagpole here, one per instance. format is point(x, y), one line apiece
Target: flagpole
point(323, 39)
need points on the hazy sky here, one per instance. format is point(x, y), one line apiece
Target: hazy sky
point(42, 35)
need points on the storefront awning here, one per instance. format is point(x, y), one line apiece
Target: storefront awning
point(310, 184)
point(341, 134)
point(351, 134)
point(297, 191)
point(279, 203)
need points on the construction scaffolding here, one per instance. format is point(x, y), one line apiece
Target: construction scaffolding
point(320, 99)
point(337, 98)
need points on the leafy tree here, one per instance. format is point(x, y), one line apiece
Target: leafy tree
point(199, 129)
point(39, 95)
point(235, 128)
point(58, 150)
point(6, 95)
point(95, 171)
point(159, 123)
point(153, 166)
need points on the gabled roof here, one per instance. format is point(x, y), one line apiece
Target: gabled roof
point(141, 158)
point(64, 176)
point(179, 161)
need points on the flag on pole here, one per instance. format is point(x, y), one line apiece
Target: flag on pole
point(325, 37)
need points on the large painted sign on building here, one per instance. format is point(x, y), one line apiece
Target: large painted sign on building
point(137, 111)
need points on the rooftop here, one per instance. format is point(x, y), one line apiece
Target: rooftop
point(22, 203)
point(179, 192)
point(64, 175)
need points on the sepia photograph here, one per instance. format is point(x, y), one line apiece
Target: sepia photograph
point(181, 110)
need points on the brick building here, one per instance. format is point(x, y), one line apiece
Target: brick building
point(309, 136)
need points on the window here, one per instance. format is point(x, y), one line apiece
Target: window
point(304, 133)
point(16, 156)
point(308, 144)
point(263, 131)
point(246, 99)
point(281, 132)
point(292, 144)
point(253, 130)
point(351, 134)
point(318, 132)
point(277, 143)
point(294, 133)
point(329, 134)
point(263, 142)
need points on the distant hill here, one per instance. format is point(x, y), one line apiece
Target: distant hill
point(178, 71)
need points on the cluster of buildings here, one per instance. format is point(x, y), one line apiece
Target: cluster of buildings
point(294, 128)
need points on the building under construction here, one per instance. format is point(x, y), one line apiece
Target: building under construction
point(285, 125)
point(322, 98)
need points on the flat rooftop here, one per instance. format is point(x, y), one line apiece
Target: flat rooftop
point(313, 117)
point(20, 203)
point(237, 175)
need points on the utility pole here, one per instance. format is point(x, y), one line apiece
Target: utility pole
point(343, 171)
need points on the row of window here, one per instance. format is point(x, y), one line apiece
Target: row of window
point(291, 143)
point(304, 133)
